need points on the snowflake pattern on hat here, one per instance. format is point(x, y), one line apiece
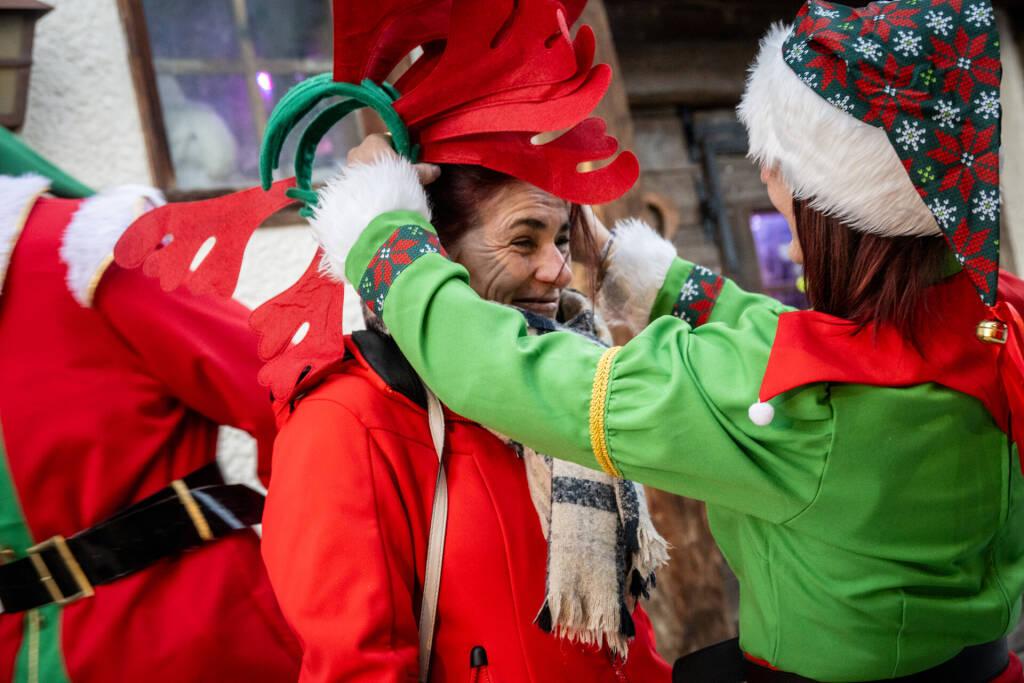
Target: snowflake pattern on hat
point(928, 73)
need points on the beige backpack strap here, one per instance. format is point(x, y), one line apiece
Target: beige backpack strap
point(435, 543)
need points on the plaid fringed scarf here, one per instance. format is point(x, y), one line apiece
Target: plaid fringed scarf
point(603, 548)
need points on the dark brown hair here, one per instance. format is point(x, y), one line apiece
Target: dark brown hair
point(456, 198)
point(866, 278)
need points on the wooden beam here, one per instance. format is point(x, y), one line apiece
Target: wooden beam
point(663, 21)
point(695, 73)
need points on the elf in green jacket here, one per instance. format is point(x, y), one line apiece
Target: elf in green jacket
point(858, 460)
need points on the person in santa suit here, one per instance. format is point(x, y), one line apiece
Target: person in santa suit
point(126, 557)
point(858, 459)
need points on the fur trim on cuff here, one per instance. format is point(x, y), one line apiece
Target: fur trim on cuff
point(18, 194)
point(638, 262)
point(351, 200)
point(846, 168)
point(88, 245)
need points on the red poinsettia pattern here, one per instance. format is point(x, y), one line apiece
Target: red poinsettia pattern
point(968, 158)
point(406, 244)
point(966, 63)
point(832, 69)
point(972, 252)
point(819, 31)
point(928, 73)
point(880, 19)
point(698, 296)
point(889, 92)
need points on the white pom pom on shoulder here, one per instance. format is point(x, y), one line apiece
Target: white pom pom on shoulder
point(761, 414)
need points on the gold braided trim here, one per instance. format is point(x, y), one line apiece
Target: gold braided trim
point(94, 283)
point(192, 508)
point(598, 408)
point(108, 260)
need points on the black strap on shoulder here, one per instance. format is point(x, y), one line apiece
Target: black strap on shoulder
point(192, 511)
point(384, 356)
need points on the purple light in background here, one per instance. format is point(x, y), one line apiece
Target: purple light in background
point(778, 273)
point(265, 82)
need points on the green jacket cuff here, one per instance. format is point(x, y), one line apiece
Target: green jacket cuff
point(667, 296)
point(380, 230)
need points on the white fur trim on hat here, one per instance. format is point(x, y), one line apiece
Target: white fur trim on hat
point(18, 194)
point(351, 200)
point(637, 264)
point(846, 168)
point(88, 245)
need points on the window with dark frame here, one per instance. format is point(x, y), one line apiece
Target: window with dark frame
point(208, 76)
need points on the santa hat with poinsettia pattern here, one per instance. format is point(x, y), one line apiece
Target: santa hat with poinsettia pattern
point(888, 117)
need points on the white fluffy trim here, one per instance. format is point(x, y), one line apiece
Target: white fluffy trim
point(89, 240)
point(360, 193)
point(638, 262)
point(846, 168)
point(18, 194)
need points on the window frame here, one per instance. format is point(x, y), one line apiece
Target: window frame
point(144, 76)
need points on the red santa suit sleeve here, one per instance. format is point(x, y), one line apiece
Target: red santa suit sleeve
point(337, 545)
point(201, 348)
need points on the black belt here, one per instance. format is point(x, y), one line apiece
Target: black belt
point(725, 663)
point(179, 517)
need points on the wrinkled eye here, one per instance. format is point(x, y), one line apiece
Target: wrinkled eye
point(524, 243)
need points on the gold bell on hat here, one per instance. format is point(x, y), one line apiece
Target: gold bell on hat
point(992, 332)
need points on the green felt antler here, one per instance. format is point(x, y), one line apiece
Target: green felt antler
point(301, 100)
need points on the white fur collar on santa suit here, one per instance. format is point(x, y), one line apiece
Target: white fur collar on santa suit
point(88, 245)
point(18, 194)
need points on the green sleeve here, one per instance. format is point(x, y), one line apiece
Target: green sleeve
point(677, 275)
point(731, 304)
point(674, 411)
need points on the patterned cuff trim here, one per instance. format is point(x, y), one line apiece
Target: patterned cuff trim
point(698, 296)
point(598, 409)
point(406, 244)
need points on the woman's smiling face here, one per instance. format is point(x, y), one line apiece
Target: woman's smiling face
point(519, 252)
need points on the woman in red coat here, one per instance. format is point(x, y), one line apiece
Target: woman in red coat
point(530, 546)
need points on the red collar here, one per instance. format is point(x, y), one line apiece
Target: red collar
point(814, 347)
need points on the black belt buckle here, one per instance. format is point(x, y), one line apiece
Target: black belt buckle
point(71, 568)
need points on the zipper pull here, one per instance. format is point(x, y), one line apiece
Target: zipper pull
point(479, 669)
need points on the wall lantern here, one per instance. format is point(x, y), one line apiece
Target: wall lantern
point(17, 27)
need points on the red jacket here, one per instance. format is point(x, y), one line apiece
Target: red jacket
point(101, 407)
point(345, 536)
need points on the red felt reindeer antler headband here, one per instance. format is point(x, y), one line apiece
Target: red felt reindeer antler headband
point(492, 77)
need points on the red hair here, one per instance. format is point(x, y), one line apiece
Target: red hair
point(864, 278)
